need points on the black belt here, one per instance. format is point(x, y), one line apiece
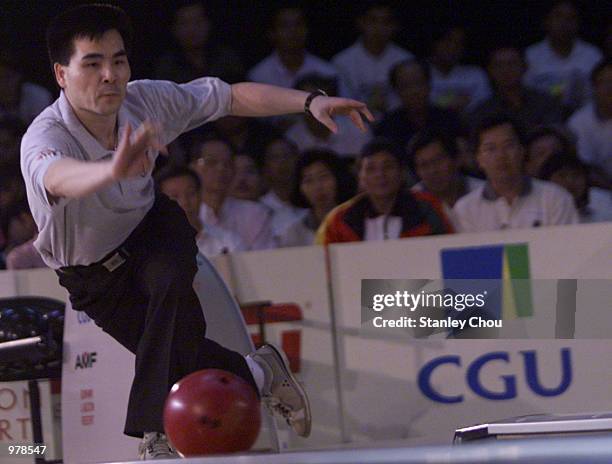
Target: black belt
point(110, 262)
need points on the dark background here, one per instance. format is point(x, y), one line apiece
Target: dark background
point(243, 24)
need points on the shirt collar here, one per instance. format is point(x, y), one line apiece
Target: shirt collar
point(489, 194)
point(95, 151)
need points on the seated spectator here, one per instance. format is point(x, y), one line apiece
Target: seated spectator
point(542, 143)
point(17, 224)
point(527, 106)
point(593, 204)
point(289, 61)
point(453, 85)
point(435, 160)
point(194, 54)
point(213, 161)
point(561, 63)
point(248, 182)
point(592, 126)
point(411, 80)
point(385, 210)
point(308, 133)
point(365, 65)
point(25, 256)
point(183, 185)
point(509, 199)
point(11, 131)
point(322, 182)
point(278, 168)
point(19, 98)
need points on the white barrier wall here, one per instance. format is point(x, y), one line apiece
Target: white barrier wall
point(390, 386)
point(387, 366)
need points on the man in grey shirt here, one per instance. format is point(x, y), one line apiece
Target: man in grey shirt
point(126, 254)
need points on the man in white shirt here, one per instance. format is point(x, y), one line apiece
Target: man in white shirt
point(289, 60)
point(434, 156)
point(592, 126)
point(561, 63)
point(213, 161)
point(183, 185)
point(508, 199)
point(364, 66)
point(453, 85)
point(278, 170)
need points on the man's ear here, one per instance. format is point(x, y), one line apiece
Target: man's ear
point(60, 74)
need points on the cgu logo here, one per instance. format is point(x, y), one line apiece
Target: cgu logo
point(509, 390)
point(85, 360)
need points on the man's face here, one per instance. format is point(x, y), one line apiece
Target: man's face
point(185, 192)
point(95, 80)
point(279, 162)
point(378, 25)
point(449, 49)
point(562, 22)
point(247, 183)
point(191, 26)
point(412, 86)
point(380, 175)
point(215, 166)
point(506, 67)
point(435, 167)
point(289, 30)
point(500, 154)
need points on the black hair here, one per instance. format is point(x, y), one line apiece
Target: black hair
point(428, 136)
point(597, 70)
point(495, 120)
point(195, 145)
point(172, 171)
point(381, 144)
point(89, 21)
point(364, 7)
point(345, 183)
point(425, 69)
point(565, 160)
point(544, 131)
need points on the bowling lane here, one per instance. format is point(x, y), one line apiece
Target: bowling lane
point(587, 450)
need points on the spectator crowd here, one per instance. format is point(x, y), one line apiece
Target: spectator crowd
point(524, 141)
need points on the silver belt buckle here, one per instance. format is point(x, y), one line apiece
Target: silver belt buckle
point(114, 262)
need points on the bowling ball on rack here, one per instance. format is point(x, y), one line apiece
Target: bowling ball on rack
point(212, 412)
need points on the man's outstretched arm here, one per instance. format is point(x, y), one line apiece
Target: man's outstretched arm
point(252, 99)
point(71, 178)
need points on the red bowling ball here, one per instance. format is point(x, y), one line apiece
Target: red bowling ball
point(211, 412)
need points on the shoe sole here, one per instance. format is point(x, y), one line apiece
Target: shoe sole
point(297, 386)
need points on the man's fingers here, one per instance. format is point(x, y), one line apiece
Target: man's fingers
point(326, 120)
point(125, 137)
point(356, 118)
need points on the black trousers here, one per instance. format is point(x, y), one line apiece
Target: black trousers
point(149, 306)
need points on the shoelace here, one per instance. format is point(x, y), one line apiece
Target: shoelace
point(157, 445)
point(276, 405)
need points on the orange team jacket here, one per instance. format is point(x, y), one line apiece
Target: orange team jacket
point(421, 214)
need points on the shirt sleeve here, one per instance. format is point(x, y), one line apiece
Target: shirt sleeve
point(40, 148)
point(182, 107)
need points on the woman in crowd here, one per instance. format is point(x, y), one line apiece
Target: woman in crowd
point(322, 181)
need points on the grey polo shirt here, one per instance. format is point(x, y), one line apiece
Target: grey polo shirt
point(84, 230)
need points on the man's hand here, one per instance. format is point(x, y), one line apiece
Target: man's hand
point(131, 159)
point(324, 108)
